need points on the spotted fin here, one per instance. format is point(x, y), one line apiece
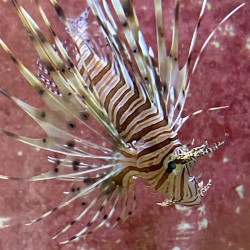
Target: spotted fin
point(65, 77)
point(176, 81)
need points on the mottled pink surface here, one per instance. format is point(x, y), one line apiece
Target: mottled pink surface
point(222, 221)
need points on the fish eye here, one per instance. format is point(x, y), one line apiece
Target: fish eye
point(171, 166)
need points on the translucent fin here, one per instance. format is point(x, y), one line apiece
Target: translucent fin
point(181, 121)
point(184, 72)
point(120, 51)
point(96, 202)
point(163, 62)
point(65, 77)
point(176, 82)
point(131, 28)
point(110, 205)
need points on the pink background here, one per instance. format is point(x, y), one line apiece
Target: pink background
point(222, 221)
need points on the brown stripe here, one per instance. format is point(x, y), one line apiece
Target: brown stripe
point(117, 102)
point(134, 115)
point(186, 203)
point(126, 170)
point(156, 146)
point(190, 191)
point(86, 62)
point(147, 129)
point(82, 70)
point(155, 156)
point(138, 124)
point(95, 66)
point(182, 184)
point(103, 86)
point(174, 185)
point(168, 132)
point(88, 59)
point(152, 177)
point(162, 180)
point(100, 75)
point(112, 92)
point(123, 108)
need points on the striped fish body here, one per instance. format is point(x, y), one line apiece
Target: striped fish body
point(136, 96)
point(141, 125)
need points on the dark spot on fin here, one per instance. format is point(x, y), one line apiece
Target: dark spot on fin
point(127, 10)
point(70, 144)
point(40, 36)
point(176, 11)
point(54, 209)
point(71, 64)
point(63, 70)
point(5, 93)
point(60, 12)
point(135, 50)
point(75, 165)
point(13, 58)
point(71, 125)
point(189, 59)
point(199, 23)
point(40, 91)
point(179, 106)
point(72, 238)
point(8, 133)
point(72, 222)
point(88, 180)
point(49, 67)
point(124, 24)
point(43, 114)
point(39, 219)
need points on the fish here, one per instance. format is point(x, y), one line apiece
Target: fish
point(106, 72)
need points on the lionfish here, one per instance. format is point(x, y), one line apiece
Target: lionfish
point(110, 73)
